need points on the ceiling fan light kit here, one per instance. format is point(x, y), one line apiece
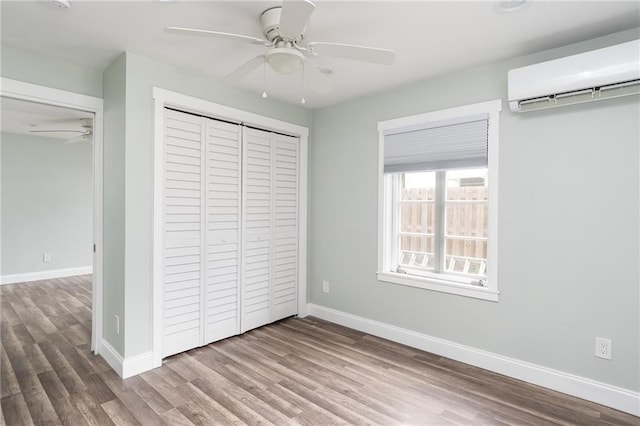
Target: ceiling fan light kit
point(283, 28)
point(284, 60)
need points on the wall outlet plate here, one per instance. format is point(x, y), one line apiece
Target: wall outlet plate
point(46, 257)
point(603, 348)
point(325, 286)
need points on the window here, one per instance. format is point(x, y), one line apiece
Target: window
point(438, 217)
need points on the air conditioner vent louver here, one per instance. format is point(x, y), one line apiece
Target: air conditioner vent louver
point(579, 96)
point(599, 74)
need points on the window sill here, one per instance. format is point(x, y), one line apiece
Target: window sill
point(443, 286)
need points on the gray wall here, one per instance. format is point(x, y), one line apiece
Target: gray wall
point(113, 195)
point(568, 225)
point(24, 66)
point(47, 204)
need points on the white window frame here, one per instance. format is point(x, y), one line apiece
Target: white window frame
point(441, 282)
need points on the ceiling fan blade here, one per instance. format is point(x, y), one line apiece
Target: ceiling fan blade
point(243, 70)
point(316, 80)
point(205, 33)
point(58, 131)
point(359, 53)
point(294, 16)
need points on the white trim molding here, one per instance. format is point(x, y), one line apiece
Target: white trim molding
point(112, 356)
point(137, 364)
point(125, 367)
point(45, 275)
point(591, 390)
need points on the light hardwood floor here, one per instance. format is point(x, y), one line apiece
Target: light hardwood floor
point(297, 371)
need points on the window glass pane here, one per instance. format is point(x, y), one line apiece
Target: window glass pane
point(417, 193)
point(417, 251)
point(463, 248)
point(418, 186)
point(466, 214)
point(465, 264)
point(417, 217)
point(466, 206)
point(467, 184)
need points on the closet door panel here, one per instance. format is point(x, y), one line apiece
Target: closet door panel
point(285, 228)
point(257, 230)
point(230, 231)
point(182, 242)
point(223, 195)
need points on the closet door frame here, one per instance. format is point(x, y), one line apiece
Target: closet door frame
point(167, 99)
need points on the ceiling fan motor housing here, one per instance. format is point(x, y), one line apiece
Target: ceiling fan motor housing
point(270, 20)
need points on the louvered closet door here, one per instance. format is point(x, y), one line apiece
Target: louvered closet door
point(183, 224)
point(257, 230)
point(285, 229)
point(223, 230)
point(230, 237)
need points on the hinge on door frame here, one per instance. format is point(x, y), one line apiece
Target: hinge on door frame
point(94, 248)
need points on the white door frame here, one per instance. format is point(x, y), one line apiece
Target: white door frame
point(165, 98)
point(45, 95)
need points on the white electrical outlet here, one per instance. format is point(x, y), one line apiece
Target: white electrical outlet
point(603, 348)
point(117, 324)
point(325, 286)
point(46, 257)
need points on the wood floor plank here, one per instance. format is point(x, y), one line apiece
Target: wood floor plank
point(7, 315)
point(242, 409)
point(165, 387)
point(174, 417)
point(119, 414)
point(310, 413)
point(203, 410)
point(68, 414)
point(149, 395)
point(72, 382)
point(8, 380)
point(15, 411)
point(247, 382)
point(92, 412)
point(299, 371)
point(131, 401)
point(37, 358)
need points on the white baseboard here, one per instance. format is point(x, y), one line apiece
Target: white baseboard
point(591, 390)
point(112, 356)
point(45, 275)
point(137, 364)
point(125, 367)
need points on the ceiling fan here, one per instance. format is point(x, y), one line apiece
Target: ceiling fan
point(283, 30)
point(84, 130)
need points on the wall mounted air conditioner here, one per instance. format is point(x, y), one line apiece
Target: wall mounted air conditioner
point(599, 74)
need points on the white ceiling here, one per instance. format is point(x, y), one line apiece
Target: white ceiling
point(430, 38)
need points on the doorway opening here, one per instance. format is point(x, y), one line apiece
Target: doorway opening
point(51, 158)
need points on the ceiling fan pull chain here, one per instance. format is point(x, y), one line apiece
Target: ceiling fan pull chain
point(303, 100)
point(264, 79)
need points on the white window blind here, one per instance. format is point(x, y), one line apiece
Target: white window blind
point(440, 145)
